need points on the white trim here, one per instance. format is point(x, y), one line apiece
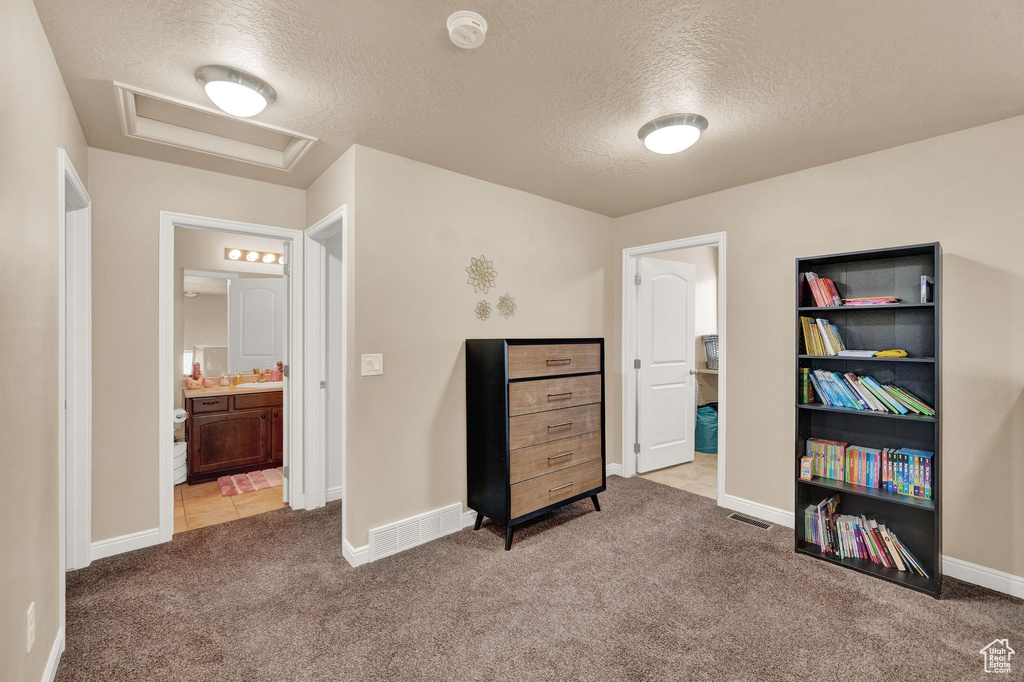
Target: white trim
point(779, 517)
point(613, 469)
point(170, 376)
point(630, 263)
point(1000, 581)
point(126, 543)
point(211, 274)
point(468, 518)
point(316, 351)
point(74, 239)
point(56, 651)
point(355, 556)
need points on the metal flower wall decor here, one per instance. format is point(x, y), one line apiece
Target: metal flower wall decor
point(483, 310)
point(507, 306)
point(481, 274)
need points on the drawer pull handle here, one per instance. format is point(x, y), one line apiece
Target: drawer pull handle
point(564, 454)
point(210, 402)
point(559, 360)
point(555, 426)
point(558, 395)
point(567, 485)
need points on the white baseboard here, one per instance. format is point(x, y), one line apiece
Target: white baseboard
point(468, 518)
point(1007, 583)
point(613, 469)
point(777, 516)
point(125, 543)
point(355, 556)
point(334, 494)
point(56, 651)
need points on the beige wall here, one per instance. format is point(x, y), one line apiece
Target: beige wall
point(36, 118)
point(961, 189)
point(204, 321)
point(417, 228)
point(128, 194)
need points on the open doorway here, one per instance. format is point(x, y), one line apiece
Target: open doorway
point(674, 347)
point(231, 380)
point(230, 329)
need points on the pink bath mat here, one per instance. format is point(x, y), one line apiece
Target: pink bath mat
point(252, 481)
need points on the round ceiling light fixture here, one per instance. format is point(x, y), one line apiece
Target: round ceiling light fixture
point(235, 92)
point(673, 133)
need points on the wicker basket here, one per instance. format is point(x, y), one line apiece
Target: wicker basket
point(711, 349)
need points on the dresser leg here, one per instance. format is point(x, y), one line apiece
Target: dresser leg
point(597, 505)
point(508, 538)
point(479, 520)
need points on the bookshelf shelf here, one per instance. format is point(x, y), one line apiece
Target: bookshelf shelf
point(848, 308)
point(868, 413)
point(846, 358)
point(916, 327)
point(874, 493)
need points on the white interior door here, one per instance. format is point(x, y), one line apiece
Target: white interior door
point(257, 322)
point(666, 397)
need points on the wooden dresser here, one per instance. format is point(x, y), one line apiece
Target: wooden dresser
point(534, 426)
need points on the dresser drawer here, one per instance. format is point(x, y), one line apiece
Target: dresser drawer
point(527, 463)
point(525, 397)
point(213, 403)
point(551, 359)
point(542, 427)
point(539, 492)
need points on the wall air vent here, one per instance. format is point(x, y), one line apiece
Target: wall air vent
point(157, 118)
point(402, 535)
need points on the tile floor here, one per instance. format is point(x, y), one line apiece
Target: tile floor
point(699, 476)
point(202, 504)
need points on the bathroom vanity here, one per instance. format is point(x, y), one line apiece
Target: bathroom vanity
point(232, 430)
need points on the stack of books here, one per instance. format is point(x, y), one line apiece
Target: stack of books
point(824, 291)
point(903, 471)
point(863, 393)
point(871, 300)
point(856, 537)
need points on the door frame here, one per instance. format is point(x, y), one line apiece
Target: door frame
point(316, 352)
point(629, 321)
point(299, 478)
point(74, 248)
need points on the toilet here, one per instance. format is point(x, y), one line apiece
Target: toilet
point(180, 462)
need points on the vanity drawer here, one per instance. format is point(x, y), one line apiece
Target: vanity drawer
point(525, 397)
point(538, 360)
point(539, 492)
point(250, 400)
point(213, 403)
point(542, 427)
point(527, 463)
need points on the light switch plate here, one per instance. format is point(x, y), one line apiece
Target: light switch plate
point(373, 364)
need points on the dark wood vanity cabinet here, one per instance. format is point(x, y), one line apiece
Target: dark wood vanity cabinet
point(233, 434)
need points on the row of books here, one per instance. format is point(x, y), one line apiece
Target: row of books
point(904, 471)
point(856, 537)
point(824, 291)
point(862, 393)
point(821, 337)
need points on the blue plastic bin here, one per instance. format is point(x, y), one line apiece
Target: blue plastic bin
point(707, 430)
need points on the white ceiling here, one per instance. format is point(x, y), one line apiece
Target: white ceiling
point(552, 101)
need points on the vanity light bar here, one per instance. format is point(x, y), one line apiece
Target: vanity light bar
point(265, 257)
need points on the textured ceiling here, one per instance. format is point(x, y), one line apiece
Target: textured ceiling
point(551, 102)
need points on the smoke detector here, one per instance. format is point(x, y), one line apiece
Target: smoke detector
point(467, 29)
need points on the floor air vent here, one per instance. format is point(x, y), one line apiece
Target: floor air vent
point(756, 523)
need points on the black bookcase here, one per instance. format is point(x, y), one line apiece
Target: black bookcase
point(910, 325)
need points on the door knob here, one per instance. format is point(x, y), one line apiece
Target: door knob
point(693, 371)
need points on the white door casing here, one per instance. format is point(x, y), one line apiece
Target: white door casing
point(257, 320)
point(666, 407)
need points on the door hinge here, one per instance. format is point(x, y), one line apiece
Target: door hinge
point(636, 279)
point(284, 370)
point(636, 364)
point(287, 269)
point(636, 448)
point(323, 384)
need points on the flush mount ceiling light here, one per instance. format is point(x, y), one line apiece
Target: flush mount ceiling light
point(673, 133)
point(236, 92)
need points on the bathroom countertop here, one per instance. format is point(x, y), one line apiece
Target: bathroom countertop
point(227, 390)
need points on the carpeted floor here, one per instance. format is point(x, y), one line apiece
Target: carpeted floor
point(657, 586)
